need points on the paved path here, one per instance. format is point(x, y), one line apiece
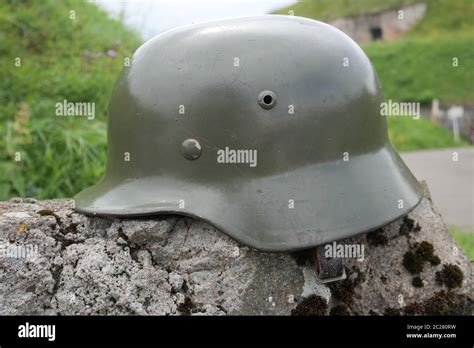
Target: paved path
point(451, 183)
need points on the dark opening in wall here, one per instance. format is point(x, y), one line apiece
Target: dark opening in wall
point(376, 33)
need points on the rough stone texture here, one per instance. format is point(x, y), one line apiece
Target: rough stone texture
point(173, 265)
point(388, 284)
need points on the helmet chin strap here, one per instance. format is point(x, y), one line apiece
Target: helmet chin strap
point(328, 269)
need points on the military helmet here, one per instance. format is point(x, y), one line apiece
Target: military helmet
point(267, 127)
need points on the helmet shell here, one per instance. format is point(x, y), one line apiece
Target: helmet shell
point(298, 94)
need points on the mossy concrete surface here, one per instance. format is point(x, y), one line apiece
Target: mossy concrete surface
point(172, 265)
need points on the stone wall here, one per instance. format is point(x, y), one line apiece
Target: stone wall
point(360, 28)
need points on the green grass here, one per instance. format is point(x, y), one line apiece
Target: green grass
point(408, 134)
point(445, 18)
point(419, 70)
point(465, 238)
point(60, 59)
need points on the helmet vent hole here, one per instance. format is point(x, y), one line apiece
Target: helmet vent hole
point(267, 99)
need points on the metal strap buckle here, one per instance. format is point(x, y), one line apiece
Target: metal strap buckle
point(328, 269)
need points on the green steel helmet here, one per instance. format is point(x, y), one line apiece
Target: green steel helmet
point(267, 127)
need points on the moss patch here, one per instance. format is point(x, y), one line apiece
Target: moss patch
point(448, 303)
point(441, 303)
point(412, 262)
point(343, 290)
point(408, 226)
point(417, 282)
point(303, 257)
point(435, 260)
point(377, 238)
point(312, 305)
point(415, 308)
point(425, 250)
point(451, 276)
point(340, 310)
point(187, 307)
point(416, 257)
point(391, 311)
